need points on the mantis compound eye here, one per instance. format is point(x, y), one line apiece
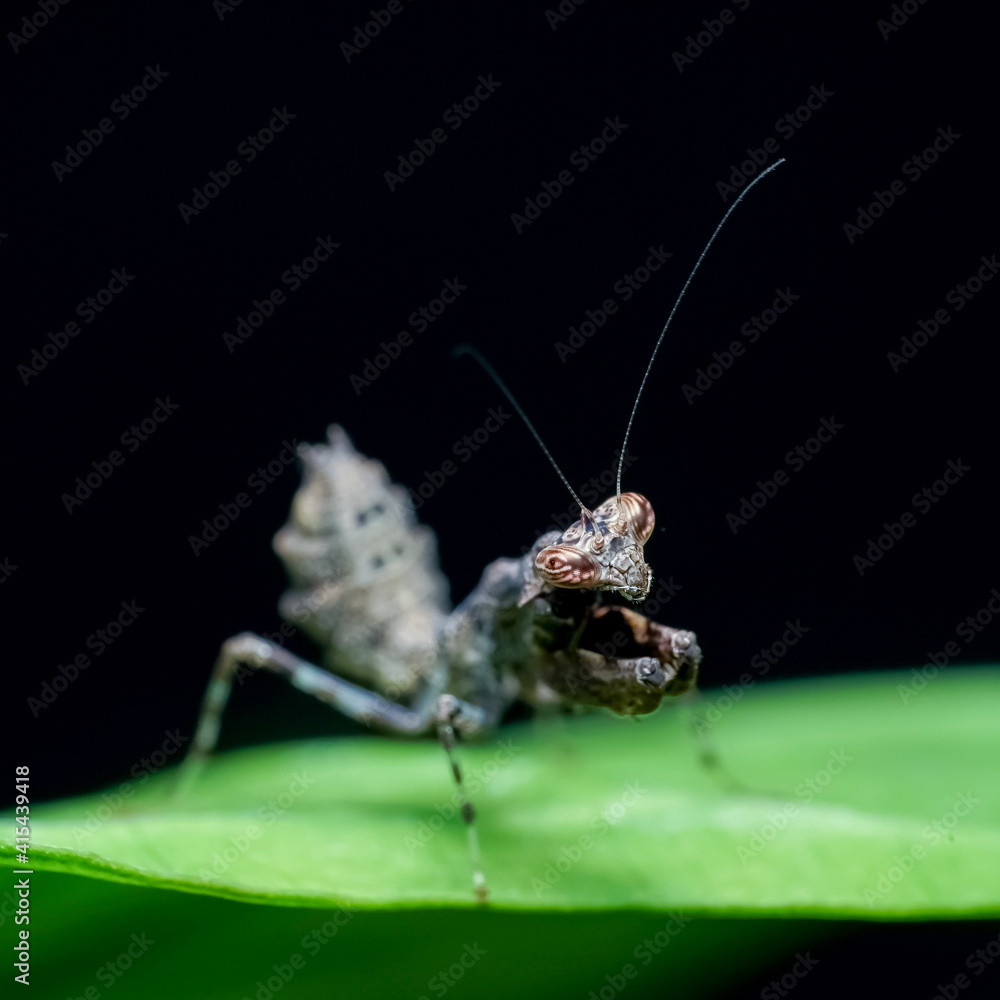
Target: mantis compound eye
point(565, 566)
point(639, 513)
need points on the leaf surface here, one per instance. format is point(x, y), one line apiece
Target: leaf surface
point(855, 804)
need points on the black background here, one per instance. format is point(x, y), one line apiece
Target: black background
point(656, 184)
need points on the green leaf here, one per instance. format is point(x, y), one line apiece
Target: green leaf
point(862, 804)
point(216, 949)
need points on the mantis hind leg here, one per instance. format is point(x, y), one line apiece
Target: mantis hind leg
point(444, 713)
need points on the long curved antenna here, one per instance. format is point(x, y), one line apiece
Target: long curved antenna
point(461, 349)
point(708, 246)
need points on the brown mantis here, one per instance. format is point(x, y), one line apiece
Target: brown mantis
point(367, 589)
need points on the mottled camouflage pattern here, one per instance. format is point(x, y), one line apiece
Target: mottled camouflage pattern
point(603, 550)
point(366, 588)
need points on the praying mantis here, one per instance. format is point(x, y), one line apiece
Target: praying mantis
point(366, 587)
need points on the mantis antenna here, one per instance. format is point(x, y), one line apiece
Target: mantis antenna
point(690, 277)
point(488, 368)
point(461, 349)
